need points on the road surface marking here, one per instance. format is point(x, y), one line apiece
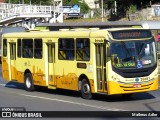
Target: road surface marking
point(77, 103)
point(64, 101)
point(5, 85)
point(2, 84)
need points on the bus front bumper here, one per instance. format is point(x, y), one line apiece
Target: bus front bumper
point(117, 88)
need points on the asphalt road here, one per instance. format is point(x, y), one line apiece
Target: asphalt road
point(14, 95)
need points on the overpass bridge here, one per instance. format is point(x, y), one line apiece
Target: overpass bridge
point(30, 14)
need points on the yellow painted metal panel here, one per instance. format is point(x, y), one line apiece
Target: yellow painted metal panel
point(115, 88)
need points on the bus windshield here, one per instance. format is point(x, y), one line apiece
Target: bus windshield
point(133, 54)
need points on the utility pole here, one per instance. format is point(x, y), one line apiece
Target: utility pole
point(115, 9)
point(102, 9)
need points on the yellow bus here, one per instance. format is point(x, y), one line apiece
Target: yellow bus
point(102, 61)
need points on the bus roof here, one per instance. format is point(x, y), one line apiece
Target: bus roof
point(145, 24)
point(66, 33)
point(44, 34)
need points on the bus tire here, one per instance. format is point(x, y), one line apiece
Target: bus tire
point(86, 90)
point(28, 81)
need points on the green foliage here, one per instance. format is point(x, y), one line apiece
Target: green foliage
point(97, 13)
point(132, 9)
point(84, 8)
point(123, 7)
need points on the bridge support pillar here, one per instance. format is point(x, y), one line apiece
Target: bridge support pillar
point(32, 23)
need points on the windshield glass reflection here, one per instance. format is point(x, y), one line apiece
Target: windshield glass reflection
point(133, 54)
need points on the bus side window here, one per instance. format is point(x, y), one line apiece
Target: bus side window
point(66, 49)
point(27, 48)
point(5, 47)
point(19, 48)
point(38, 48)
point(82, 49)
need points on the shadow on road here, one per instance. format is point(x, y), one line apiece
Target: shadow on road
point(98, 97)
point(121, 98)
point(16, 85)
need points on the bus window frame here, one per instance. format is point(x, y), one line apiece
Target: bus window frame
point(29, 49)
point(64, 49)
point(5, 49)
point(35, 48)
point(19, 48)
point(85, 39)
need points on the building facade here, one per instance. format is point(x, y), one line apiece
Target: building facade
point(92, 3)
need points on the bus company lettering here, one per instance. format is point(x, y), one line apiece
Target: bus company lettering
point(99, 41)
point(49, 40)
point(129, 80)
point(129, 34)
point(65, 82)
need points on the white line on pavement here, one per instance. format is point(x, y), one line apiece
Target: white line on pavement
point(64, 101)
point(7, 85)
point(77, 103)
point(2, 84)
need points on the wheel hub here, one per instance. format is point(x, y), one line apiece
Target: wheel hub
point(28, 83)
point(86, 88)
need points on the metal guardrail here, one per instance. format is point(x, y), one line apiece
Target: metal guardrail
point(31, 10)
point(18, 10)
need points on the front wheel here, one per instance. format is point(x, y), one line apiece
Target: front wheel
point(28, 81)
point(86, 90)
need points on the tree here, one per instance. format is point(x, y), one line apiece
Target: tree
point(123, 7)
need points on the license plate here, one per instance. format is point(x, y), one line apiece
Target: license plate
point(137, 85)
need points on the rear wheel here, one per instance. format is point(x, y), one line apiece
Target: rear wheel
point(86, 90)
point(29, 86)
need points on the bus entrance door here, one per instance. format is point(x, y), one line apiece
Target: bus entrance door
point(12, 60)
point(51, 60)
point(101, 67)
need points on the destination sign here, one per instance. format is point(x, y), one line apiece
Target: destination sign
point(131, 34)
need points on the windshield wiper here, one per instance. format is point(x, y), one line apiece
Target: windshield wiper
point(123, 43)
point(143, 47)
point(130, 53)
